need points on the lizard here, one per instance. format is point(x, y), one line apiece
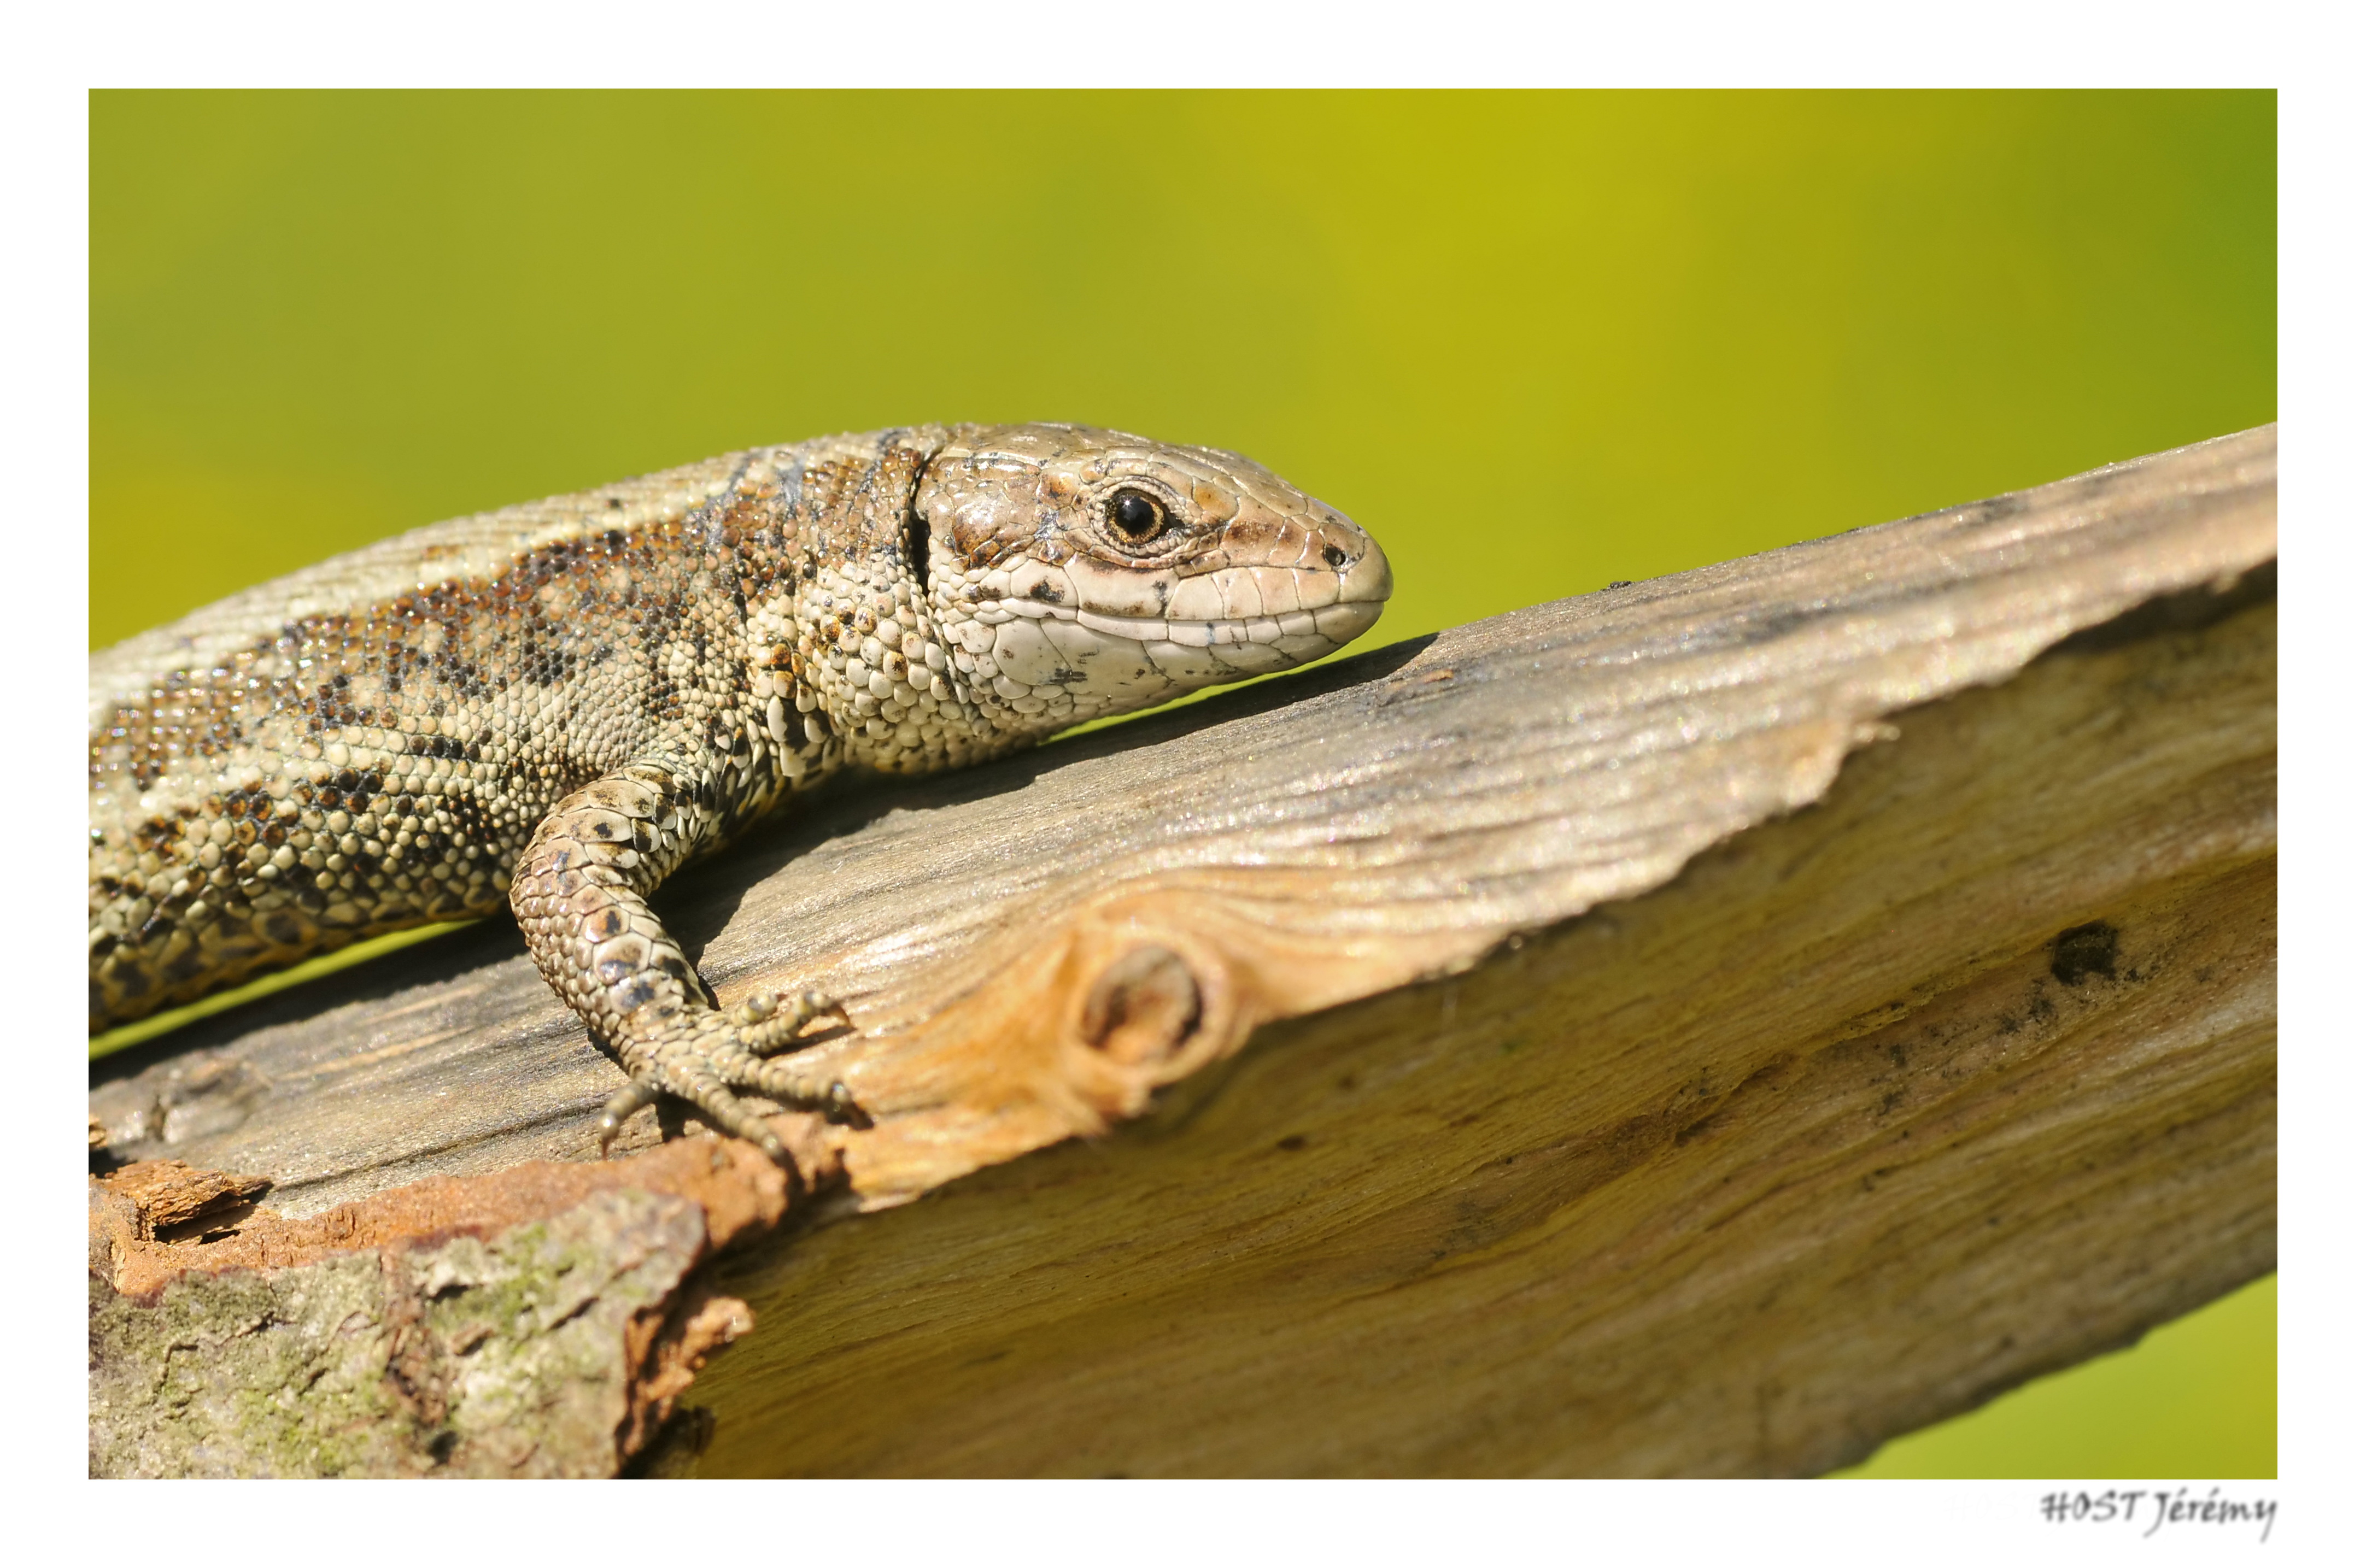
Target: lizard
point(554, 706)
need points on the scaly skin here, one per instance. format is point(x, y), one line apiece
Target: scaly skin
point(555, 705)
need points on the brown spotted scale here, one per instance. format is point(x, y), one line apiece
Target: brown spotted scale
point(551, 707)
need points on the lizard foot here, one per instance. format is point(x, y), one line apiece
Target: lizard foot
point(706, 1055)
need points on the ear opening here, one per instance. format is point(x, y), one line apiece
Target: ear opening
point(916, 545)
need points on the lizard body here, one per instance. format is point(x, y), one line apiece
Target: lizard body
point(553, 706)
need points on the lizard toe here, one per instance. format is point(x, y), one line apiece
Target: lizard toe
point(730, 1114)
point(770, 1024)
point(699, 1065)
point(794, 1084)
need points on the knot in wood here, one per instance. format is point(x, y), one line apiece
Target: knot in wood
point(1143, 1009)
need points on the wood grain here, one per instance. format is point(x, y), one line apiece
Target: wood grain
point(1813, 1147)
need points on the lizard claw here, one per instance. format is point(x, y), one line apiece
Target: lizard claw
point(840, 1109)
point(621, 1105)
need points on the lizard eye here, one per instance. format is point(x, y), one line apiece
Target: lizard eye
point(1135, 518)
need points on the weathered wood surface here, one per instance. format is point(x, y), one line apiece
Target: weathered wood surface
point(1827, 1136)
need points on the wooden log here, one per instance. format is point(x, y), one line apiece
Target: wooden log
point(1706, 1026)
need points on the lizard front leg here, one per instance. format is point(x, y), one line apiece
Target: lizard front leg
point(577, 895)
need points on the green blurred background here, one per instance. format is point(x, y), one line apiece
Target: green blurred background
point(1533, 342)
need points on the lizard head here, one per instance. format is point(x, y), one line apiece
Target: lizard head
point(1075, 573)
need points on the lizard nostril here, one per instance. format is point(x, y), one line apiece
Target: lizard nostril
point(1334, 556)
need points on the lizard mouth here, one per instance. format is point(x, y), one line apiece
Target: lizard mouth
point(1310, 634)
point(1086, 637)
point(1041, 638)
point(1120, 655)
